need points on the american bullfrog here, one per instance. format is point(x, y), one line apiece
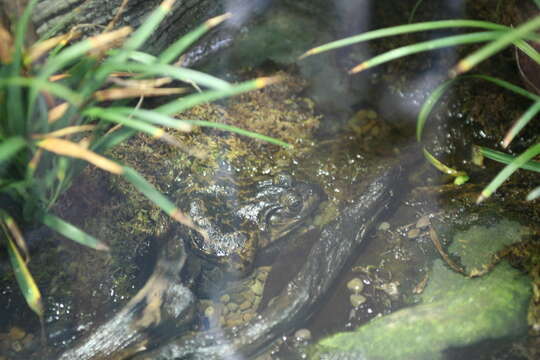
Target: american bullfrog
point(239, 222)
point(270, 210)
point(335, 246)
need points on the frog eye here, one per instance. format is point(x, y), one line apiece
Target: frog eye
point(292, 202)
point(283, 180)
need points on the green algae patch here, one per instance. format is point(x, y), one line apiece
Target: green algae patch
point(455, 311)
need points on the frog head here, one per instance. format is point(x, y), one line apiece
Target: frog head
point(280, 205)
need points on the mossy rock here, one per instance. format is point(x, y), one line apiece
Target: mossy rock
point(455, 311)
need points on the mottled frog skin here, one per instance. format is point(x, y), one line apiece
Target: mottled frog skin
point(239, 223)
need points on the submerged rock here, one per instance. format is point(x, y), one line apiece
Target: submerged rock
point(455, 311)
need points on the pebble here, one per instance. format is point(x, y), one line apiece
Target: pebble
point(357, 300)
point(413, 233)
point(16, 346)
point(391, 289)
point(384, 226)
point(257, 288)
point(248, 316)
point(423, 222)
point(302, 335)
point(232, 307)
point(16, 333)
point(209, 311)
point(245, 305)
point(355, 285)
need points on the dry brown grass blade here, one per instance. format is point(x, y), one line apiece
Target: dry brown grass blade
point(435, 239)
point(16, 235)
point(57, 112)
point(105, 41)
point(126, 93)
point(40, 48)
point(147, 83)
point(68, 130)
point(6, 45)
point(114, 20)
point(71, 149)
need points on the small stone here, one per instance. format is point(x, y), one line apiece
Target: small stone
point(423, 222)
point(209, 312)
point(232, 306)
point(392, 289)
point(302, 335)
point(263, 273)
point(384, 226)
point(225, 299)
point(233, 321)
point(357, 300)
point(413, 233)
point(245, 305)
point(257, 288)
point(16, 346)
point(355, 285)
point(16, 333)
point(248, 316)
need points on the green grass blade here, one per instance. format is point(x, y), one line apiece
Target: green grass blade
point(142, 57)
point(495, 46)
point(179, 46)
point(175, 72)
point(508, 86)
point(10, 147)
point(521, 122)
point(184, 103)
point(112, 139)
point(125, 120)
point(434, 97)
point(154, 118)
point(528, 50)
point(78, 50)
point(148, 26)
point(428, 105)
point(427, 46)
point(24, 278)
point(186, 125)
point(508, 170)
point(38, 84)
point(503, 158)
point(155, 196)
point(73, 232)
point(533, 194)
point(240, 131)
point(442, 167)
point(413, 11)
point(404, 29)
point(15, 105)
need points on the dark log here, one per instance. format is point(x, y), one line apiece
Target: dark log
point(92, 16)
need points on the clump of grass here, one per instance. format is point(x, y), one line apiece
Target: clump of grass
point(64, 103)
point(497, 37)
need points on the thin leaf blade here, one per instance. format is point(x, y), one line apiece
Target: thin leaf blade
point(73, 233)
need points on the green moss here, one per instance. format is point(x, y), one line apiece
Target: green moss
point(455, 311)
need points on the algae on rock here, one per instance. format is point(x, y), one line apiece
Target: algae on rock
point(455, 310)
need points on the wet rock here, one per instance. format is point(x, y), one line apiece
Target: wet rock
point(455, 310)
point(357, 300)
point(355, 285)
point(302, 335)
